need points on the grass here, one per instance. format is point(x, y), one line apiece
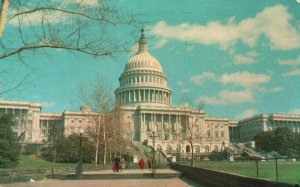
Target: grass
point(288, 172)
point(33, 162)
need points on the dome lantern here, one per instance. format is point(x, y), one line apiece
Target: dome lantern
point(142, 43)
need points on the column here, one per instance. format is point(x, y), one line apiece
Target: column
point(152, 122)
point(129, 93)
point(134, 95)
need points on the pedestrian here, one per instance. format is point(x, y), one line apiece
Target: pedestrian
point(142, 164)
point(114, 168)
point(117, 163)
point(122, 164)
point(149, 162)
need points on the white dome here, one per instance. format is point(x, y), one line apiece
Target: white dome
point(143, 61)
point(143, 80)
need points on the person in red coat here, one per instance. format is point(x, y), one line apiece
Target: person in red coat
point(142, 164)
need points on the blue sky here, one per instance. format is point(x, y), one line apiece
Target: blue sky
point(241, 57)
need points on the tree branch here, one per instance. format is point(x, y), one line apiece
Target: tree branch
point(60, 10)
point(32, 47)
point(16, 86)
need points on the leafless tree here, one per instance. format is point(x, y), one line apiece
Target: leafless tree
point(106, 128)
point(189, 124)
point(91, 27)
point(96, 96)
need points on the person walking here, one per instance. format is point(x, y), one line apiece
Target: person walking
point(117, 163)
point(122, 164)
point(142, 164)
point(149, 162)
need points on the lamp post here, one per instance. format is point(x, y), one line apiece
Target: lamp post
point(153, 159)
point(79, 165)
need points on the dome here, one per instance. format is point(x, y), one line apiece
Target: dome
point(143, 61)
point(143, 80)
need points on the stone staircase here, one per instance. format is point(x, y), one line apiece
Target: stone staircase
point(146, 153)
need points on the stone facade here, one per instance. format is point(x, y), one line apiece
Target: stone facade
point(41, 127)
point(249, 127)
point(27, 116)
point(146, 102)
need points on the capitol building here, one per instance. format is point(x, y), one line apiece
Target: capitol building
point(148, 114)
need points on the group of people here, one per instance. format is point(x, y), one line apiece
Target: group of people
point(119, 165)
point(142, 163)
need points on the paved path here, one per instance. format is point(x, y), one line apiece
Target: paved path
point(131, 171)
point(175, 182)
point(146, 182)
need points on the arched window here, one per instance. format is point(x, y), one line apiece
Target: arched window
point(216, 148)
point(197, 148)
point(207, 149)
point(187, 149)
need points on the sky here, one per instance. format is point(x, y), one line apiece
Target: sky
point(240, 57)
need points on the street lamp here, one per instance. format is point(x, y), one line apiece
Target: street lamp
point(153, 159)
point(79, 165)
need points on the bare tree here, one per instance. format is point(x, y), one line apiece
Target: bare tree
point(189, 126)
point(89, 27)
point(55, 132)
point(96, 97)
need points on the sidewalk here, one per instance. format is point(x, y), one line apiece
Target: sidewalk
point(131, 171)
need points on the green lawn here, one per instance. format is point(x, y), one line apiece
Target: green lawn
point(287, 171)
point(32, 162)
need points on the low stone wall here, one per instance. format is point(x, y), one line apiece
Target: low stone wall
point(215, 178)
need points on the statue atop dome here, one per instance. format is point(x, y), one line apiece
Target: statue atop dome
point(142, 43)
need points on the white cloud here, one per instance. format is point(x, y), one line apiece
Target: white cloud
point(276, 89)
point(246, 114)
point(245, 79)
point(198, 79)
point(179, 82)
point(252, 53)
point(48, 104)
point(182, 91)
point(159, 43)
point(294, 111)
point(240, 59)
point(228, 97)
point(294, 64)
point(35, 18)
point(281, 34)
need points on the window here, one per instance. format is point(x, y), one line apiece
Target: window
point(166, 136)
point(207, 149)
point(208, 134)
point(178, 148)
point(216, 134)
point(216, 148)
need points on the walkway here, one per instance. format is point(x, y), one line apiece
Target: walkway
point(131, 178)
